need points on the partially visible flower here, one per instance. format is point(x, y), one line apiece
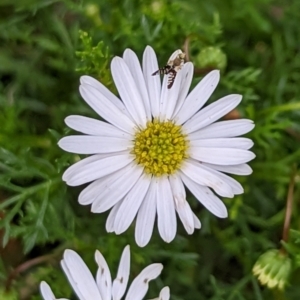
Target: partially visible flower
point(157, 140)
point(103, 288)
point(273, 269)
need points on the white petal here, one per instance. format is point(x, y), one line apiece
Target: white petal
point(197, 223)
point(80, 164)
point(242, 169)
point(88, 80)
point(175, 54)
point(91, 192)
point(239, 143)
point(146, 217)
point(131, 204)
point(187, 76)
point(97, 169)
point(120, 283)
point(111, 218)
point(166, 217)
point(202, 176)
point(153, 84)
point(47, 292)
point(236, 187)
point(106, 109)
point(169, 97)
point(212, 113)
point(71, 280)
point(128, 91)
point(198, 96)
point(182, 207)
point(103, 278)
point(135, 68)
point(223, 129)
point(177, 187)
point(86, 144)
point(95, 127)
point(206, 197)
point(186, 216)
point(140, 284)
point(164, 293)
point(98, 189)
point(80, 276)
point(117, 188)
point(221, 156)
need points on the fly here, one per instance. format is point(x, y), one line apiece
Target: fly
point(171, 68)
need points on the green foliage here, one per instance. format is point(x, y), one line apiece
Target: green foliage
point(47, 44)
point(31, 182)
point(94, 60)
point(11, 295)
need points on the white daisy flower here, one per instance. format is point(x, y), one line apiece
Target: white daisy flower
point(155, 141)
point(103, 288)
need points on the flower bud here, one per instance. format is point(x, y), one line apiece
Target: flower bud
point(211, 57)
point(92, 11)
point(273, 269)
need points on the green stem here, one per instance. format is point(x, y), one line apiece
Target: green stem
point(289, 207)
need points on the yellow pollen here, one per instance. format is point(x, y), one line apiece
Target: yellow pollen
point(160, 147)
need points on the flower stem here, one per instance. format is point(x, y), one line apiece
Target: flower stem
point(25, 266)
point(289, 206)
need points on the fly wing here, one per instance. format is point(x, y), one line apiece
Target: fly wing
point(161, 71)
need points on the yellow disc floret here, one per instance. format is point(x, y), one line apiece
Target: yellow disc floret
point(160, 147)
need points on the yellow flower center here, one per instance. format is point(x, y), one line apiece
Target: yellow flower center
point(160, 147)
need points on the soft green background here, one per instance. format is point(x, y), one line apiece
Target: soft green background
point(39, 75)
